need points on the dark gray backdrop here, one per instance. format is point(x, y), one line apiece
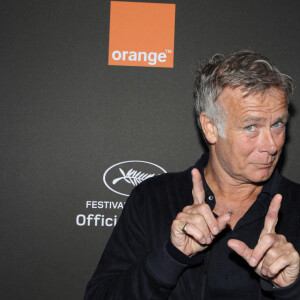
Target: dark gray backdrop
point(66, 116)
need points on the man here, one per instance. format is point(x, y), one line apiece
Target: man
point(209, 232)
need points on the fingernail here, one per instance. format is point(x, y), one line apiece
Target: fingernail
point(215, 230)
point(252, 262)
point(203, 241)
point(263, 272)
point(208, 240)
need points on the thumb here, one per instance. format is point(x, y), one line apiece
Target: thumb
point(223, 221)
point(241, 249)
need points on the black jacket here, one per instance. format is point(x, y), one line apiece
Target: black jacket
point(140, 262)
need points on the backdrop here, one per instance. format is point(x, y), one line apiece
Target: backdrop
point(77, 134)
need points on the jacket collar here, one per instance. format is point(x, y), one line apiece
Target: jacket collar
point(270, 186)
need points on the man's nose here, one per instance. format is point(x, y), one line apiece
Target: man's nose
point(267, 143)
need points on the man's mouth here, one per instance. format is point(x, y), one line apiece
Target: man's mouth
point(265, 165)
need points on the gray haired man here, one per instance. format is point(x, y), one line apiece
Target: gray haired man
point(228, 227)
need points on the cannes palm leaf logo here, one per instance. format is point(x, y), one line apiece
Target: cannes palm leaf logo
point(132, 177)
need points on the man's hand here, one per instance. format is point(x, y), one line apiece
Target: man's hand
point(273, 257)
point(195, 227)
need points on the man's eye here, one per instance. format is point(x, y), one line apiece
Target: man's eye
point(250, 128)
point(277, 124)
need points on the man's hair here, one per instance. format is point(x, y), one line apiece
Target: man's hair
point(250, 71)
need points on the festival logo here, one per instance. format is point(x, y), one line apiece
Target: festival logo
point(141, 34)
point(122, 177)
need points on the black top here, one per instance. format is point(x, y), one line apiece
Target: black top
point(140, 262)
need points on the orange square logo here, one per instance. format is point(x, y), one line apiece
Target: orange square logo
point(141, 34)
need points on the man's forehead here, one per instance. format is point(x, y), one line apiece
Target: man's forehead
point(235, 99)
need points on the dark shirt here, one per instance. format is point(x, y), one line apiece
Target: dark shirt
point(140, 262)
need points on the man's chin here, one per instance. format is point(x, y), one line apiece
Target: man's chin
point(262, 175)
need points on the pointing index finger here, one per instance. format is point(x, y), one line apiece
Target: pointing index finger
point(272, 215)
point(198, 190)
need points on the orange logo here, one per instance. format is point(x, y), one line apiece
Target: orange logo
point(141, 34)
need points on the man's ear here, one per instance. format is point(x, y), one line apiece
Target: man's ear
point(209, 128)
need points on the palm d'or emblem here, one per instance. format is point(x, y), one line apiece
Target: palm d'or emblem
point(132, 177)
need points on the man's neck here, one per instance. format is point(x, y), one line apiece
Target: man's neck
point(229, 189)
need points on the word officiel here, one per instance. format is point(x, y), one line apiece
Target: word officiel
point(96, 220)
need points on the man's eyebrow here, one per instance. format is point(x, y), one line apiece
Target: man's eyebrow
point(259, 119)
point(253, 119)
point(283, 117)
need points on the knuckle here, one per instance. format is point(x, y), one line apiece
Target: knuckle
point(204, 208)
point(180, 216)
point(296, 256)
point(273, 252)
point(175, 224)
point(187, 208)
point(266, 264)
point(290, 246)
point(268, 238)
point(272, 270)
point(281, 237)
point(198, 235)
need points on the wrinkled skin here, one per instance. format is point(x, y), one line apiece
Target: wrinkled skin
point(238, 165)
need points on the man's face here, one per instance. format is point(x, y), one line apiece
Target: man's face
point(255, 133)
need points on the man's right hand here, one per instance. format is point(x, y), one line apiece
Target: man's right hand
point(199, 224)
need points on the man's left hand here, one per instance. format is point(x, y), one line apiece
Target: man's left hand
point(273, 257)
